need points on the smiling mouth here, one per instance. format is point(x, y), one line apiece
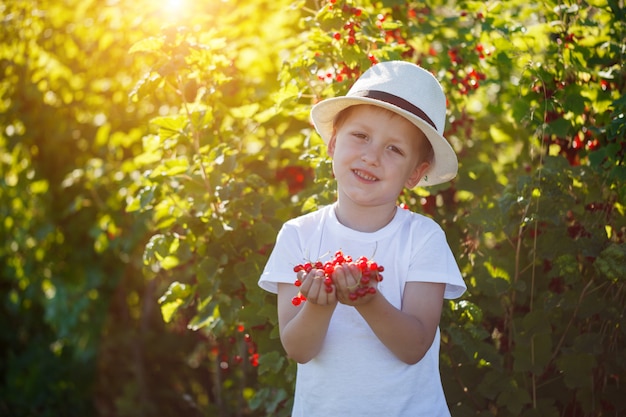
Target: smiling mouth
point(363, 175)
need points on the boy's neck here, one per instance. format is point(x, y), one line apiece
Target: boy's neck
point(364, 218)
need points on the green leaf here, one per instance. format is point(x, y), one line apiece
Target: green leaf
point(514, 399)
point(271, 362)
point(151, 44)
point(38, 187)
point(268, 398)
point(611, 262)
point(103, 134)
point(577, 369)
point(171, 167)
point(169, 262)
point(175, 296)
point(567, 266)
point(170, 125)
point(144, 86)
point(470, 311)
point(497, 272)
point(498, 135)
point(245, 112)
point(535, 323)
point(146, 196)
point(560, 127)
point(264, 233)
point(148, 158)
point(162, 248)
point(207, 269)
point(142, 200)
point(247, 270)
point(208, 315)
point(545, 408)
point(533, 354)
point(492, 384)
point(287, 93)
point(575, 100)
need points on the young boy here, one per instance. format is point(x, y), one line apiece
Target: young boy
point(378, 354)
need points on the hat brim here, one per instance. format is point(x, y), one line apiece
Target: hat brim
point(444, 166)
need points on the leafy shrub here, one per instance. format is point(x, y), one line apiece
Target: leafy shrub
point(103, 225)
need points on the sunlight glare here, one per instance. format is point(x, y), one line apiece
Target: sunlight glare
point(173, 7)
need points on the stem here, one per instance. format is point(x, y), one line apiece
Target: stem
point(533, 379)
point(537, 177)
point(195, 135)
point(509, 310)
point(571, 320)
point(532, 298)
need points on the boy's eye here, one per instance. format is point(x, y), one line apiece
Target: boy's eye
point(396, 150)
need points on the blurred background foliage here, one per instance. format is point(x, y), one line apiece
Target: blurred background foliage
point(150, 151)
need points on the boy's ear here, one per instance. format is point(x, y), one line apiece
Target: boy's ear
point(417, 175)
point(331, 144)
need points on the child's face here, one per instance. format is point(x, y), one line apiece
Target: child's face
point(376, 153)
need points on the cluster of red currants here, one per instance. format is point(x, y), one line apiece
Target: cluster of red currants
point(369, 270)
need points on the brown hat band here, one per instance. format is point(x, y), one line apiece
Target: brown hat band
point(396, 101)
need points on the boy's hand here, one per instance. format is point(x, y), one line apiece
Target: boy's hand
point(314, 289)
point(346, 278)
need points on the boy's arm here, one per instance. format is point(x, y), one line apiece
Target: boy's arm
point(408, 333)
point(303, 328)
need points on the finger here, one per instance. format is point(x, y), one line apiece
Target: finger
point(300, 275)
point(346, 278)
point(316, 284)
point(331, 297)
point(310, 284)
point(354, 274)
point(339, 280)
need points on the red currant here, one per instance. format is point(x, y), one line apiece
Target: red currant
point(369, 270)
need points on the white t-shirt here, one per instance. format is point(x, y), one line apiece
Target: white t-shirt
point(355, 374)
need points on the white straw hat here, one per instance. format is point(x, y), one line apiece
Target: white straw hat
point(405, 89)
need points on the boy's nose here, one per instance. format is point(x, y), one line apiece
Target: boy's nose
point(371, 155)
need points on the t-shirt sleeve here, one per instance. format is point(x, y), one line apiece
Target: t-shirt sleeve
point(286, 254)
point(433, 261)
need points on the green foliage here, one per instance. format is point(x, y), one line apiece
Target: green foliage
point(149, 157)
